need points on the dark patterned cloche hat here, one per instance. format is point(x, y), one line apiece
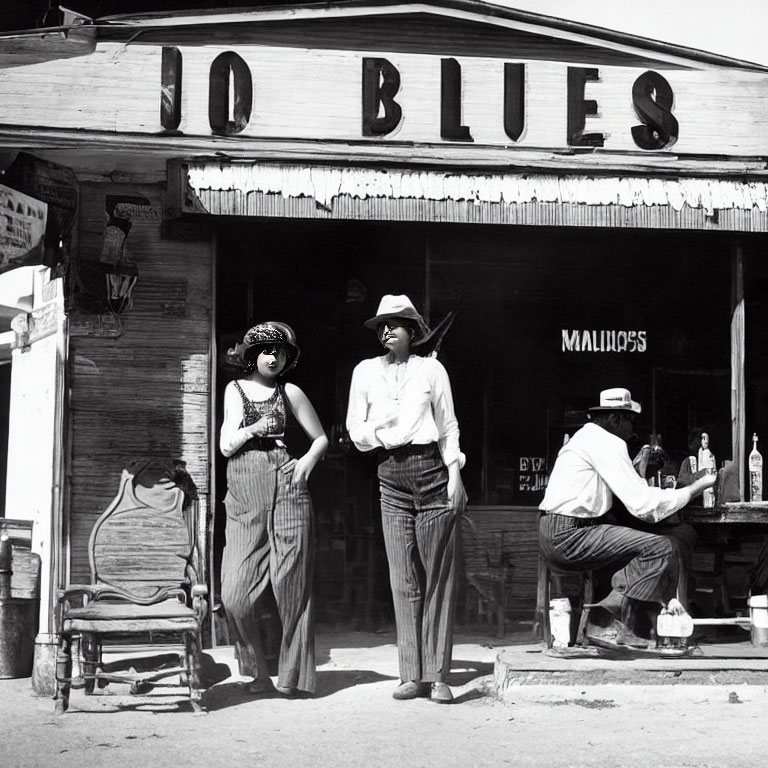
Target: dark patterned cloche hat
point(268, 335)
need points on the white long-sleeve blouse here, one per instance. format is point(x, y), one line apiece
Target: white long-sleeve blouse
point(416, 393)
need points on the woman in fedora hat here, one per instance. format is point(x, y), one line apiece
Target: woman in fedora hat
point(269, 510)
point(401, 406)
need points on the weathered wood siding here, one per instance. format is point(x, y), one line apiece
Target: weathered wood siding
point(144, 393)
point(510, 535)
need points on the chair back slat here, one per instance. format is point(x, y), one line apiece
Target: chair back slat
point(144, 540)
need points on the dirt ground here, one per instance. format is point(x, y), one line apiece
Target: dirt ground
point(353, 721)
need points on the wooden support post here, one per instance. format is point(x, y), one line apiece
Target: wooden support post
point(738, 337)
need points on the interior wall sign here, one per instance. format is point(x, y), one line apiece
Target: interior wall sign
point(603, 341)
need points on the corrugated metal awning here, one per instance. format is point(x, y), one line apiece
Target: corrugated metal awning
point(308, 191)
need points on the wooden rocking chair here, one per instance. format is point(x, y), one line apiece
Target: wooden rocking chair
point(146, 588)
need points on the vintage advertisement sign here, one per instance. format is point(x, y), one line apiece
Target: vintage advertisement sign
point(532, 475)
point(55, 185)
point(21, 229)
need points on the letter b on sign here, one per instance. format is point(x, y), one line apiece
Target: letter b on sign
point(381, 81)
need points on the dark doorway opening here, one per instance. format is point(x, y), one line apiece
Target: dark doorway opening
point(519, 381)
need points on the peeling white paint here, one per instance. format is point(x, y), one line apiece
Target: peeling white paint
point(325, 183)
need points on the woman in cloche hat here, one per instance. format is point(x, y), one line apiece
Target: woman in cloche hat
point(401, 406)
point(269, 510)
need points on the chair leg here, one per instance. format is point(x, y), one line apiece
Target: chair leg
point(587, 599)
point(541, 628)
point(682, 584)
point(543, 591)
point(192, 653)
point(90, 656)
point(63, 673)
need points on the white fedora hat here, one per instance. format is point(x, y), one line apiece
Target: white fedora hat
point(400, 306)
point(617, 399)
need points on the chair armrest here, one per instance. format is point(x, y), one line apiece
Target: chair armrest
point(199, 594)
point(82, 591)
point(98, 591)
point(73, 593)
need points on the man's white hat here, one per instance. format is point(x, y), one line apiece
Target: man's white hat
point(617, 399)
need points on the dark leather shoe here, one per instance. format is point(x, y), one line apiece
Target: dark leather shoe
point(614, 635)
point(261, 686)
point(411, 689)
point(441, 693)
point(630, 639)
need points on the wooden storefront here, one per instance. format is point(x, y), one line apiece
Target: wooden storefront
point(592, 206)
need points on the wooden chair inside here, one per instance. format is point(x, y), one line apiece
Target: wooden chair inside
point(147, 588)
point(488, 570)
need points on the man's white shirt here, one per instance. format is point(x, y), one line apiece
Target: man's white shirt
point(591, 468)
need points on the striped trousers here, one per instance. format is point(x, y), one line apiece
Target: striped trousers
point(270, 538)
point(421, 538)
point(647, 562)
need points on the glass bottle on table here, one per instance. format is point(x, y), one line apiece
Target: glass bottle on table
point(755, 472)
point(706, 462)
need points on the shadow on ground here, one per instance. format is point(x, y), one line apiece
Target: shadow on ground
point(517, 633)
point(465, 672)
point(233, 694)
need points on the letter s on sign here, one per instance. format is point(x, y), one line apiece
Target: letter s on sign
point(660, 127)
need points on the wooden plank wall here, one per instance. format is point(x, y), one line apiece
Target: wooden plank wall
point(519, 545)
point(145, 393)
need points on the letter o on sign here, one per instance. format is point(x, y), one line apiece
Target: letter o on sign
point(224, 65)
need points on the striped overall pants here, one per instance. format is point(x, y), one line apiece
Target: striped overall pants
point(270, 538)
point(421, 538)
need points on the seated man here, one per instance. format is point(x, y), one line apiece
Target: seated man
point(576, 532)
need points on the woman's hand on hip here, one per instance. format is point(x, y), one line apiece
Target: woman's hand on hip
point(299, 469)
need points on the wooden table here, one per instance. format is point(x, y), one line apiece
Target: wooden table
point(733, 513)
point(723, 525)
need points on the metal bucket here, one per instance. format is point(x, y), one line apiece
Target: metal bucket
point(758, 614)
point(18, 618)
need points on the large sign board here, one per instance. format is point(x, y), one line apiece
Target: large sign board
point(283, 93)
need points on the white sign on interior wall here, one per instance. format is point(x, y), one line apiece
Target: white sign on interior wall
point(573, 340)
